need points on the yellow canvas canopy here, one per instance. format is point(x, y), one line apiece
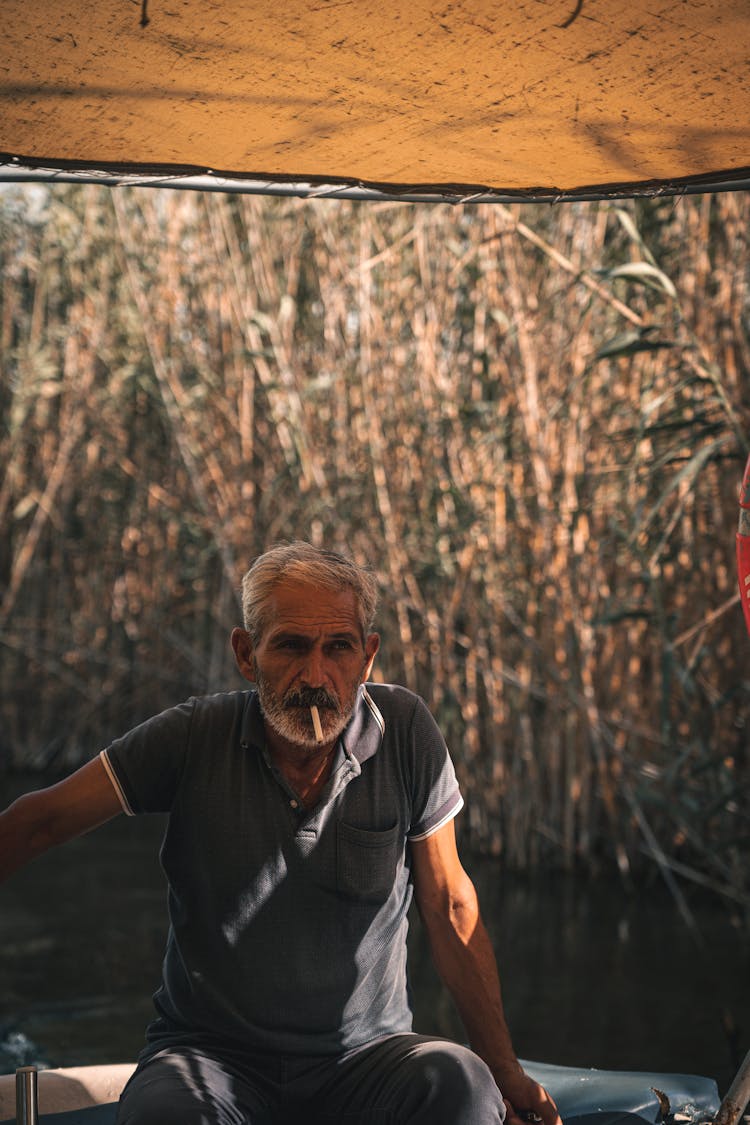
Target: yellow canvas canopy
point(431, 98)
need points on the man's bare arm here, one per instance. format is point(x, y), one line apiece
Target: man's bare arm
point(40, 820)
point(466, 962)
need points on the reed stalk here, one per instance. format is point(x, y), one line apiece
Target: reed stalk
point(530, 422)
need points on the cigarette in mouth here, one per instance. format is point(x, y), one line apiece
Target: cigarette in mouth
point(316, 724)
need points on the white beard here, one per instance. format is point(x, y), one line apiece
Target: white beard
point(292, 720)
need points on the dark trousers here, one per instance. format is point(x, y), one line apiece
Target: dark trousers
point(399, 1080)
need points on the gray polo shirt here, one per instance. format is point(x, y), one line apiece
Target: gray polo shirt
point(287, 926)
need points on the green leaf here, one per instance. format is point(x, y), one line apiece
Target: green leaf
point(627, 222)
point(628, 343)
point(689, 471)
point(623, 613)
point(645, 273)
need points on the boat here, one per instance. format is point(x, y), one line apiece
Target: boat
point(88, 1095)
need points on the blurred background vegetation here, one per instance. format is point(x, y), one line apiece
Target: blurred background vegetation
point(530, 420)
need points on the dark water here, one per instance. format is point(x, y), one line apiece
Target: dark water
point(591, 977)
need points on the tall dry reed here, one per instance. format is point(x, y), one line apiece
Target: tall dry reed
point(530, 421)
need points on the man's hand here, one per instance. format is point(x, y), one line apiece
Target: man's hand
point(526, 1101)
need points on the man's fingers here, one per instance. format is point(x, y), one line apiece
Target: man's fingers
point(538, 1108)
point(522, 1117)
point(549, 1114)
point(511, 1117)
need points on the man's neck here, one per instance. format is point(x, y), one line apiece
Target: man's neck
point(306, 768)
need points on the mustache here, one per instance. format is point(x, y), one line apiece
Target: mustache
point(311, 697)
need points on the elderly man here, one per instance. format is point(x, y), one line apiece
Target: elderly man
point(302, 817)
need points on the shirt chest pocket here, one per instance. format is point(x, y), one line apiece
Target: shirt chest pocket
point(366, 861)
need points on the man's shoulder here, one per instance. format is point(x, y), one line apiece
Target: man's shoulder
point(398, 707)
point(176, 722)
point(222, 707)
point(393, 697)
point(222, 700)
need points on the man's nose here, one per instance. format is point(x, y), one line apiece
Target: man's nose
point(313, 670)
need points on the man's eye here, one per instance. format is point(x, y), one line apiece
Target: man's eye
point(341, 646)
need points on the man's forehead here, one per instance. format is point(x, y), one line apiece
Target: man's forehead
point(307, 606)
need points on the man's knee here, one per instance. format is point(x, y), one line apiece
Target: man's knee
point(179, 1108)
point(186, 1088)
point(164, 1101)
point(457, 1086)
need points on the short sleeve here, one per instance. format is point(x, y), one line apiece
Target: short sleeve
point(436, 797)
point(146, 765)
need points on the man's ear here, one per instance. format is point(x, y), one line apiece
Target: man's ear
point(372, 644)
point(243, 654)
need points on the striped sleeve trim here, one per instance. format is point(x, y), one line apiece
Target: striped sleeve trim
point(104, 756)
point(450, 809)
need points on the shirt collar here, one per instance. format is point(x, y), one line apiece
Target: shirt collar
point(364, 732)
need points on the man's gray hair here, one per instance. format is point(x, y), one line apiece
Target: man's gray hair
point(301, 562)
